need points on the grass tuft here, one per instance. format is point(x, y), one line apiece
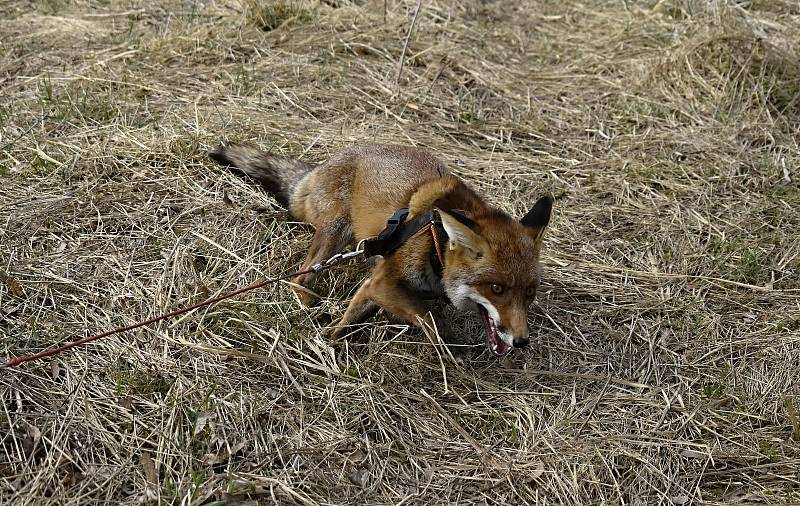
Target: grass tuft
point(268, 16)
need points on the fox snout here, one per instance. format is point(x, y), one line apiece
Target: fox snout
point(521, 341)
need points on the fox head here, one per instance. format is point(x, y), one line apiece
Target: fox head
point(492, 267)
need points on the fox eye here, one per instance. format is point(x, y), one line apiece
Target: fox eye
point(498, 289)
point(531, 292)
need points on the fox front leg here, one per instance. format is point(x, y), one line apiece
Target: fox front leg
point(381, 290)
point(359, 309)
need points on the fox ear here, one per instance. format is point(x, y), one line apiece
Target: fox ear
point(461, 235)
point(539, 216)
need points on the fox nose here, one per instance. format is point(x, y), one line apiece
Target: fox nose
point(521, 341)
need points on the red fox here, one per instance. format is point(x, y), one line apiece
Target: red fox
point(490, 261)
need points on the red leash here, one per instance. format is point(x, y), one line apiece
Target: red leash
point(54, 351)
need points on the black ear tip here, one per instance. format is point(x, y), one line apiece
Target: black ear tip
point(543, 206)
point(539, 215)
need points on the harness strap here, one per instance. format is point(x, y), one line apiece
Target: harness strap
point(396, 233)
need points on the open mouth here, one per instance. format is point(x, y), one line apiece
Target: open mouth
point(497, 346)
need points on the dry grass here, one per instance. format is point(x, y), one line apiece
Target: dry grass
point(667, 339)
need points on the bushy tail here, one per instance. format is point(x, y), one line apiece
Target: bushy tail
point(278, 174)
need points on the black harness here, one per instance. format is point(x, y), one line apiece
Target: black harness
point(398, 231)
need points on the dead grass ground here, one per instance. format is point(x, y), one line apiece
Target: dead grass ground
point(667, 338)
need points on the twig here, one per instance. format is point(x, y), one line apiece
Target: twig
point(405, 46)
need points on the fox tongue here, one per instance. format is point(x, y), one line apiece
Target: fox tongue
point(497, 346)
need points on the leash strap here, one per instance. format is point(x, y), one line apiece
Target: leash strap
point(327, 264)
point(396, 233)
